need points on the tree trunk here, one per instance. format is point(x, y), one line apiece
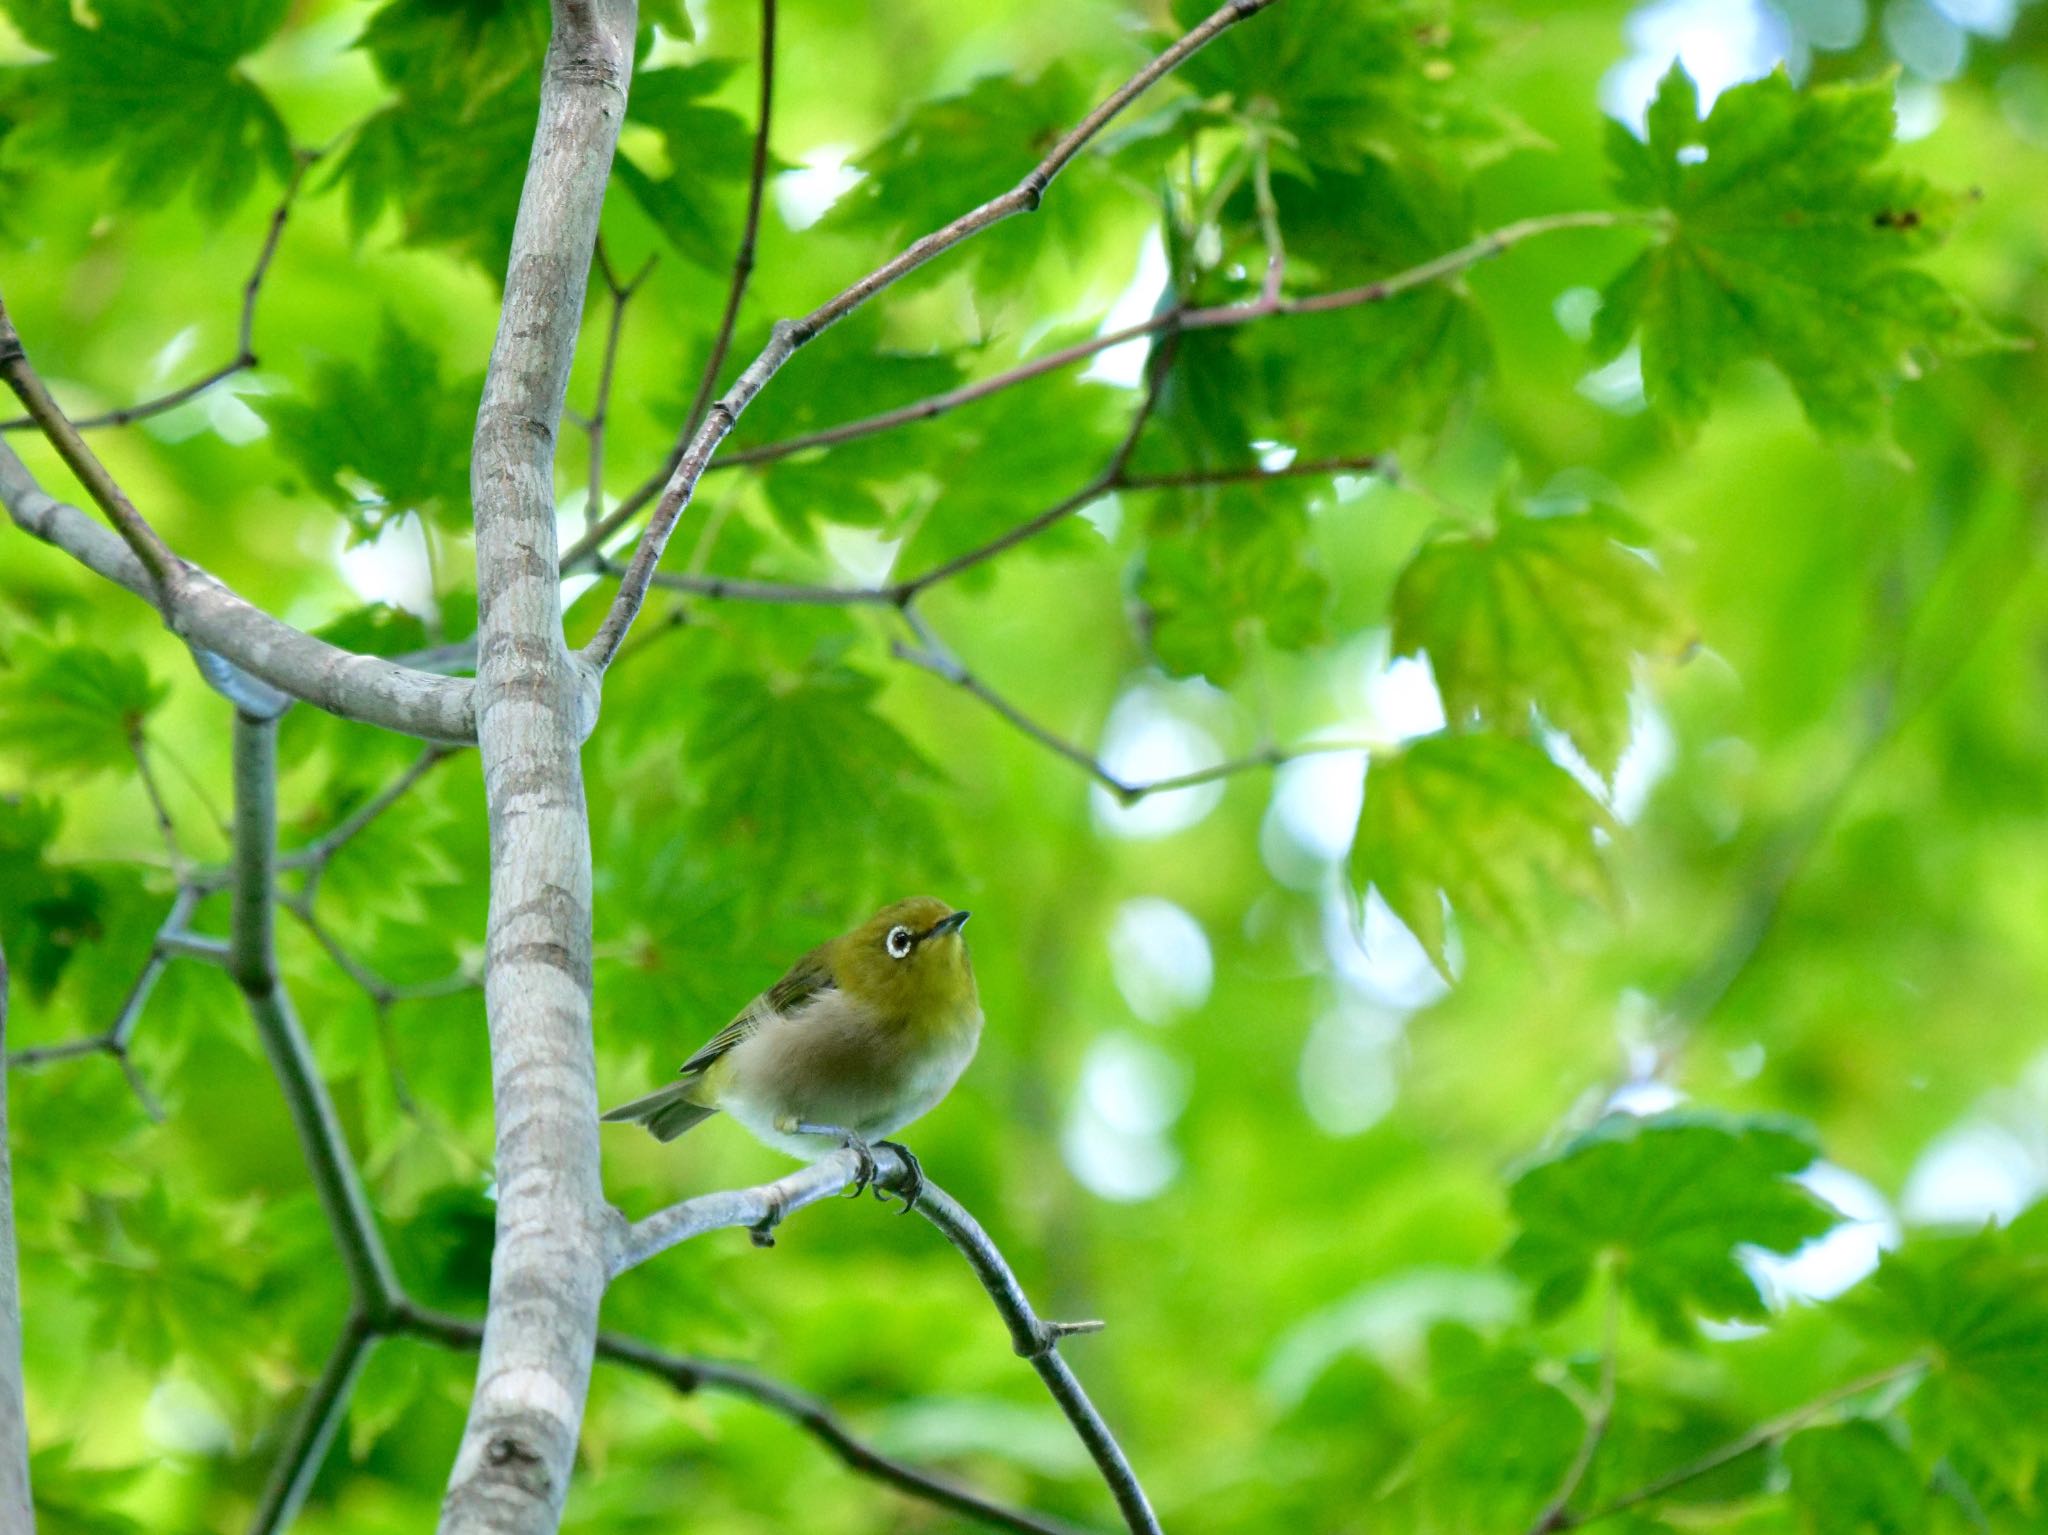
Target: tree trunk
point(16, 1511)
point(535, 704)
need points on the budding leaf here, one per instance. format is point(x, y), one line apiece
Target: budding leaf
point(1485, 821)
point(1542, 613)
point(1667, 1200)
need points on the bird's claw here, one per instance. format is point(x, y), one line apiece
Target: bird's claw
point(763, 1230)
point(864, 1164)
point(913, 1176)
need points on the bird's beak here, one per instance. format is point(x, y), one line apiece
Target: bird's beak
point(949, 924)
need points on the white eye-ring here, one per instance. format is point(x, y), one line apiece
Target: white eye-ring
point(899, 943)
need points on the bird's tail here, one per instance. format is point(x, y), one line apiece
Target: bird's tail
point(667, 1113)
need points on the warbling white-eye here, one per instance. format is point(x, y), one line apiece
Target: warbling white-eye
point(865, 1033)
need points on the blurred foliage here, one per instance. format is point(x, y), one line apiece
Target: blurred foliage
point(1651, 1040)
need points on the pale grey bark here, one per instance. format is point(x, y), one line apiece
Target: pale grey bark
point(16, 1509)
point(535, 704)
point(212, 618)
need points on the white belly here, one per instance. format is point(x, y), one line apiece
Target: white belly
point(818, 1067)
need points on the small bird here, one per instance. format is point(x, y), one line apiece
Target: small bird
point(864, 1034)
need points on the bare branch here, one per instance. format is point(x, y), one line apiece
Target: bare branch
point(209, 617)
point(139, 750)
point(245, 332)
point(142, 540)
point(690, 1375)
point(899, 593)
point(313, 1428)
point(17, 1511)
point(1182, 317)
point(252, 962)
point(789, 336)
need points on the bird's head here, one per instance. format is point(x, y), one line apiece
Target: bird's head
point(909, 962)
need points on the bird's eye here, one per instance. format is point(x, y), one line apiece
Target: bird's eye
point(899, 942)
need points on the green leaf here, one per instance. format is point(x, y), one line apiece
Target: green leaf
point(1666, 1201)
point(382, 442)
point(1504, 1432)
point(47, 913)
point(1854, 1479)
point(450, 153)
point(705, 145)
point(376, 629)
point(1544, 613)
point(155, 89)
point(1977, 1307)
point(817, 784)
point(78, 1500)
point(1484, 821)
point(1225, 566)
point(75, 708)
point(1786, 243)
point(955, 152)
point(1344, 81)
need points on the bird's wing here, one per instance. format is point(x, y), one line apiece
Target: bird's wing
point(806, 979)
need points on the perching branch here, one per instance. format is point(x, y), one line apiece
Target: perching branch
point(209, 617)
point(761, 1208)
point(245, 331)
point(689, 1375)
point(314, 1427)
point(788, 336)
point(17, 1511)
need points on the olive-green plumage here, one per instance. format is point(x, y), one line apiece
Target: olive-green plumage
point(865, 1033)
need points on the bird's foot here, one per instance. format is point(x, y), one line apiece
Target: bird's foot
point(763, 1230)
point(863, 1154)
point(913, 1180)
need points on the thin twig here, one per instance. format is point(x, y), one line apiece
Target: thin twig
point(1599, 1414)
point(593, 427)
point(689, 1375)
point(1269, 224)
point(114, 1040)
point(321, 850)
point(166, 829)
point(245, 331)
point(1127, 791)
point(788, 336)
point(1764, 1433)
